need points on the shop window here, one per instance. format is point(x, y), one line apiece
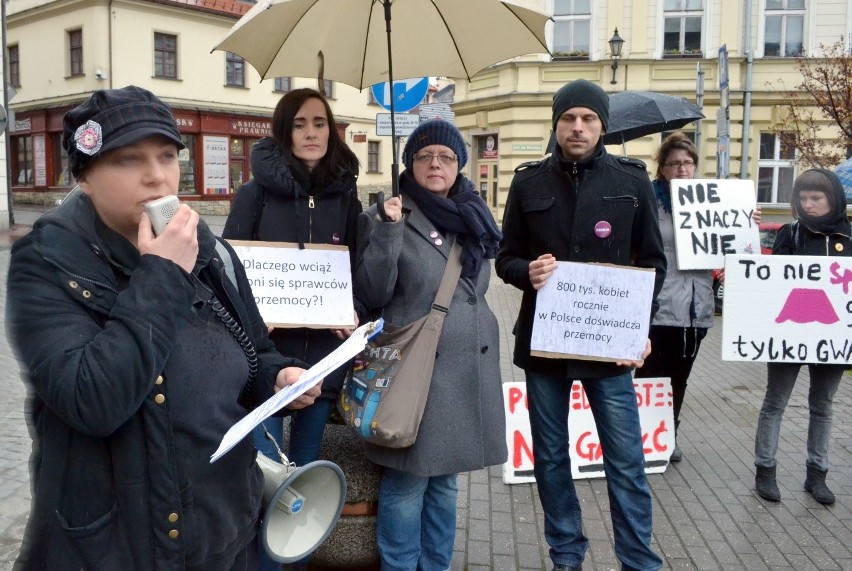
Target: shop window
point(240, 161)
point(571, 29)
point(61, 165)
point(186, 160)
point(784, 28)
point(682, 21)
point(14, 56)
point(165, 55)
point(22, 160)
point(283, 84)
point(75, 52)
point(776, 170)
point(328, 87)
point(235, 70)
point(373, 156)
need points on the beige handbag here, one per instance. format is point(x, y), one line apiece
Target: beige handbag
point(384, 394)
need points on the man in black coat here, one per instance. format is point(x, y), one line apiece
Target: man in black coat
point(582, 205)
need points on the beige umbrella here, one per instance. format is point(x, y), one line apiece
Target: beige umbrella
point(350, 40)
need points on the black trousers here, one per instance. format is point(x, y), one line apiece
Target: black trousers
point(673, 351)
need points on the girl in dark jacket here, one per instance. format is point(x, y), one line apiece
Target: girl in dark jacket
point(139, 355)
point(303, 191)
point(822, 229)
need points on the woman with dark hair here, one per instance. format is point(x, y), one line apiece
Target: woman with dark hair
point(686, 300)
point(303, 191)
point(821, 229)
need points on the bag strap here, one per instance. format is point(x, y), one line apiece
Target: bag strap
point(449, 280)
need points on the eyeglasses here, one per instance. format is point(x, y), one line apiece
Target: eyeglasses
point(678, 164)
point(426, 159)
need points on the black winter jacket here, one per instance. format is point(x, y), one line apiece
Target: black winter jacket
point(275, 207)
point(127, 403)
point(551, 210)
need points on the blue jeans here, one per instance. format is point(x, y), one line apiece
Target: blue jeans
point(825, 379)
point(613, 404)
point(306, 430)
point(416, 523)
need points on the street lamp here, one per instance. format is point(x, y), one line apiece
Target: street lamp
point(615, 45)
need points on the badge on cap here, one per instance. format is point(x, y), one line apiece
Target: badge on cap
point(89, 137)
point(603, 229)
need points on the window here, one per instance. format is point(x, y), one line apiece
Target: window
point(75, 52)
point(328, 87)
point(785, 28)
point(165, 55)
point(571, 28)
point(682, 27)
point(235, 70)
point(14, 66)
point(372, 156)
point(283, 84)
point(61, 165)
point(22, 160)
point(186, 159)
point(776, 170)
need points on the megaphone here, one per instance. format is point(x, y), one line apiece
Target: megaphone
point(303, 505)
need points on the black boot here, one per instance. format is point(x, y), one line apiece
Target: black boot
point(764, 483)
point(815, 484)
point(677, 455)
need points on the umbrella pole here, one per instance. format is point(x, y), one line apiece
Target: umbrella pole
point(395, 165)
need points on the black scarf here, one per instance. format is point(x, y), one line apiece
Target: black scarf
point(462, 212)
point(835, 221)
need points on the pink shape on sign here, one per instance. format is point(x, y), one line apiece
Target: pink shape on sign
point(805, 305)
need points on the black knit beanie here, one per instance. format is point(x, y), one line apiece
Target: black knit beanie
point(434, 132)
point(581, 93)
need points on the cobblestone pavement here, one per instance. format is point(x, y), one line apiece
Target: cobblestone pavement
point(706, 515)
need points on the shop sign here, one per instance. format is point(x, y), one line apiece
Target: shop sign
point(185, 122)
point(40, 160)
point(251, 128)
point(521, 148)
point(23, 125)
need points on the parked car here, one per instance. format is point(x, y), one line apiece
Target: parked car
point(768, 232)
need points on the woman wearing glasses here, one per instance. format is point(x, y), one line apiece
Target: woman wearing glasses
point(686, 300)
point(400, 263)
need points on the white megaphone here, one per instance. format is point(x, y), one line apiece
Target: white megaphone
point(303, 505)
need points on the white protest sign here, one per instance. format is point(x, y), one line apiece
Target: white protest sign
point(713, 218)
point(593, 311)
point(788, 309)
point(344, 352)
point(656, 416)
point(299, 288)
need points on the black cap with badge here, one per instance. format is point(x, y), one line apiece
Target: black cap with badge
point(114, 118)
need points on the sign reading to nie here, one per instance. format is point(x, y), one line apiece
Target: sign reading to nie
point(404, 122)
point(407, 93)
point(788, 309)
point(656, 416)
point(299, 288)
point(713, 218)
point(597, 312)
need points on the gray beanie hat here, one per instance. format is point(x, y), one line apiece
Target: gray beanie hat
point(581, 93)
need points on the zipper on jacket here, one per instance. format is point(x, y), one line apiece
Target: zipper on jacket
point(106, 286)
point(310, 219)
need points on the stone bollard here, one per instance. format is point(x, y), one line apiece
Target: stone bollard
point(352, 544)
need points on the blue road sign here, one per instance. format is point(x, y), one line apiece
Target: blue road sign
point(408, 93)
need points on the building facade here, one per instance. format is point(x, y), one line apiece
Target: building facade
point(60, 51)
point(505, 111)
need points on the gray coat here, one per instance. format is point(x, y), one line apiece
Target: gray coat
point(399, 269)
point(686, 299)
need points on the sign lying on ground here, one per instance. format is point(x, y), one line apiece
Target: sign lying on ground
point(593, 311)
point(311, 287)
point(656, 415)
point(713, 218)
point(788, 309)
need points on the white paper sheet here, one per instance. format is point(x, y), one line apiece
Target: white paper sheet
point(346, 351)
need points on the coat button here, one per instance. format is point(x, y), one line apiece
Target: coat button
point(173, 517)
point(485, 349)
point(471, 300)
point(576, 248)
point(159, 380)
point(173, 533)
point(87, 294)
point(160, 399)
point(73, 285)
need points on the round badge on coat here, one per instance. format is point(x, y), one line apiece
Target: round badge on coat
point(603, 229)
point(838, 247)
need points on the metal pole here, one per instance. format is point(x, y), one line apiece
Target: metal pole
point(747, 101)
point(395, 165)
point(699, 100)
point(8, 128)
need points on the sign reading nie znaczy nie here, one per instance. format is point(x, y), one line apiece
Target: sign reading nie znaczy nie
point(793, 309)
point(593, 311)
point(712, 218)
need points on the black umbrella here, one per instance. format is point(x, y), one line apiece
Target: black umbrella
point(634, 114)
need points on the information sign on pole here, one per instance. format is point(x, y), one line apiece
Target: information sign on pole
point(405, 124)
